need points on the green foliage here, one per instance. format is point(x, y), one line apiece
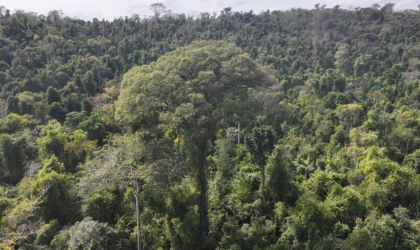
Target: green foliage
point(260, 143)
point(95, 128)
point(14, 157)
point(360, 239)
point(13, 123)
point(329, 126)
point(77, 150)
point(53, 141)
point(61, 240)
point(279, 171)
point(55, 187)
point(47, 232)
point(52, 95)
point(88, 234)
point(101, 206)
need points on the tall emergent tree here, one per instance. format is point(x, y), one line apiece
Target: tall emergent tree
point(191, 93)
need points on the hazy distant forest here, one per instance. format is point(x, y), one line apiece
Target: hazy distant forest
point(296, 129)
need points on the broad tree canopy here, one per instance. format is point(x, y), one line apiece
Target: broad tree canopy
point(193, 90)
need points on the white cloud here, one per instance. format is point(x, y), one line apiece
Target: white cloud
point(108, 9)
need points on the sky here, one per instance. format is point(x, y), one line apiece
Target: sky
point(110, 9)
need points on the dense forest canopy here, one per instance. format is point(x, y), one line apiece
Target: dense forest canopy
point(294, 129)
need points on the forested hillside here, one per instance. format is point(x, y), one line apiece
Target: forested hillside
point(295, 129)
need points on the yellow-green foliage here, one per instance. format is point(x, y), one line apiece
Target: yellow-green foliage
point(13, 123)
point(53, 141)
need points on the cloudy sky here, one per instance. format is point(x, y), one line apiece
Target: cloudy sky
point(108, 9)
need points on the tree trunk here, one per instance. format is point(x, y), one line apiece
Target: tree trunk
point(139, 246)
point(202, 205)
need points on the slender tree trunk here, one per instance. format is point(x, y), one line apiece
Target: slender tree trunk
point(139, 245)
point(202, 205)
